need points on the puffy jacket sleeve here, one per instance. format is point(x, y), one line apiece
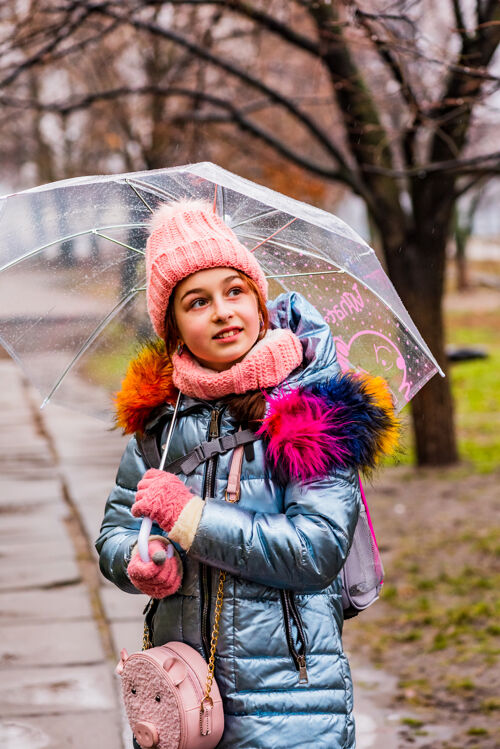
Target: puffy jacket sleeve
point(302, 549)
point(119, 529)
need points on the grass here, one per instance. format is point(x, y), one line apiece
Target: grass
point(476, 389)
point(454, 608)
point(107, 364)
point(106, 368)
point(437, 624)
point(412, 722)
point(440, 607)
point(476, 393)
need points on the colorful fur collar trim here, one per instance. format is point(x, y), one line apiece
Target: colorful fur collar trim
point(345, 421)
point(147, 385)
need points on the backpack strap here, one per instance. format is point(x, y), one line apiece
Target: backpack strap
point(206, 450)
point(148, 447)
point(233, 480)
point(201, 453)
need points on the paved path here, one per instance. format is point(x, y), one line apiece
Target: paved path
point(62, 624)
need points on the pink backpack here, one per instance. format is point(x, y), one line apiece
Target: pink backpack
point(162, 690)
point(363, 573)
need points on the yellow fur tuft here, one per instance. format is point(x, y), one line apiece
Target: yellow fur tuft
point(378, 390)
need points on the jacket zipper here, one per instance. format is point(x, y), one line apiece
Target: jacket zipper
point(205, 570)
point(289, 605)
point(290, 611)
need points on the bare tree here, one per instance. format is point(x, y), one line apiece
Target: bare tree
point(386, 98)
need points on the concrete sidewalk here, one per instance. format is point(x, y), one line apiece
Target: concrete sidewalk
point(62, 624)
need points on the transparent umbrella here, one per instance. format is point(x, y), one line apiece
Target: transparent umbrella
point(72, 278)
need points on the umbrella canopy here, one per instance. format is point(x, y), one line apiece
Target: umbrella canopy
point(72, 278)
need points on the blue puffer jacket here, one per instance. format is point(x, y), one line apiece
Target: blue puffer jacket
point(282, 546)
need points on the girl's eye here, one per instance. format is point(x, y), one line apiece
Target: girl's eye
point(237, 289)
point(195, 303)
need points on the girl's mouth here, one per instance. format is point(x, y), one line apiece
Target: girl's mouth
point(227, 335)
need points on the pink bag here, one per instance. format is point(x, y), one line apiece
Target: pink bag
point(163, 689)
point(363, 573)
point(170, 695)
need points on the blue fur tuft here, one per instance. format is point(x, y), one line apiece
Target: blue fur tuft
point(368, 426)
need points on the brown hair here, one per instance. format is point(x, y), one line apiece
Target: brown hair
point(172, 332)
point(247, 408)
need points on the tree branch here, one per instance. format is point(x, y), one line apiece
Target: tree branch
point(234, 115)
point(367, 138)
point(386, 54)
point(260, 17)
point(485, 11)
point(84, 43)
point(455, 166)
point(476, 180)
point(388, 58)
point(459, 18)
point(480, 50)
point(233, 70)
point(63, 33)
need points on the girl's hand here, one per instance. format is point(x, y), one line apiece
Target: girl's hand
point(160, 496)
point(156, 579)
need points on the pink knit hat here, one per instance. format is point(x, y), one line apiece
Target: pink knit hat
point(186, 237)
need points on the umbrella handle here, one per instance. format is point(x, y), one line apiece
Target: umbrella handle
point(147, 523)
point(143, 539)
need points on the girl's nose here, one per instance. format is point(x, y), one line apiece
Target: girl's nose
point(221, 309)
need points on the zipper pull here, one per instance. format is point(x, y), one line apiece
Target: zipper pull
point(214, 425)
point(303, 679)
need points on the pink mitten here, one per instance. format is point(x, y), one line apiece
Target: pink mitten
point(160, 496)
point(156, 579)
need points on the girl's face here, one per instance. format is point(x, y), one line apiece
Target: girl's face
point(217, 316)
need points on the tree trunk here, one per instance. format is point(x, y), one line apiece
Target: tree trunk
point(461, 264)
point(462, 232)
point(432, 407)
point(417, 273)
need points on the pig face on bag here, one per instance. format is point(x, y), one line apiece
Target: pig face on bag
point(151, 709)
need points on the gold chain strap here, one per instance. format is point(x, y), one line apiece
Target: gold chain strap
point(215, 637)
point(147, 644)
point(146, 638)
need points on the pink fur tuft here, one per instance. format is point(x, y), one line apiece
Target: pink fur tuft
point(167, 211)
point(298, 427)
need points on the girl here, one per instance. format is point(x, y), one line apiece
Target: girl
point(270, 370)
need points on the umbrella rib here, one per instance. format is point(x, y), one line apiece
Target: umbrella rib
point(89, 341)
point(418, 338)
point(31, 253)
point(286, 246)
point(303, 251)
point(255, 217)
point(129, 183)
point(117, 241)
point(66, 238)
point(153, 189)
point(313, 273)
point(274, 234)
point(219, 191)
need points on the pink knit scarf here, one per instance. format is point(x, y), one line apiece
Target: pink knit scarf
point(267, 364)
